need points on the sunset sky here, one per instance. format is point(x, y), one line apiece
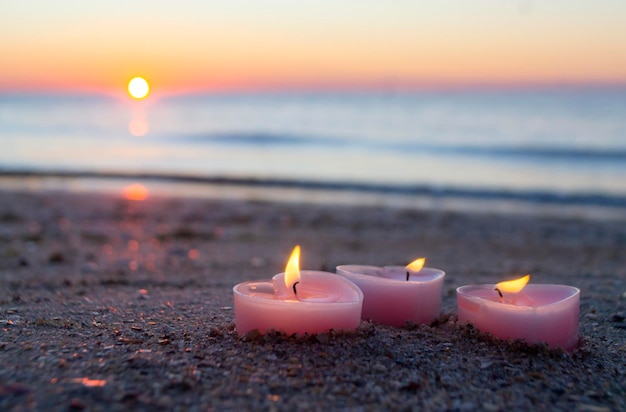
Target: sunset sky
point(193, 46)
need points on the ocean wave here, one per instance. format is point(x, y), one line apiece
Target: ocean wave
point(531, 196)
point(518, 152)
point(530, 152)
point(259, 139)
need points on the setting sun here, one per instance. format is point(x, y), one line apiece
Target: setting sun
point(138, 88)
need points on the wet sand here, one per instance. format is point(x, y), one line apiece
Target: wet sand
point(110, 304)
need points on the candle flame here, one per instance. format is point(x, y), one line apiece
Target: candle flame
point(292, 270)
point(513, 286)
point(416, 265)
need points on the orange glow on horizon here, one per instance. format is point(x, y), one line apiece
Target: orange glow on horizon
point(344, 68)
point(135, 191)
point(182, 82)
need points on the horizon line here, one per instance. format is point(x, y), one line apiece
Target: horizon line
point(326, 88)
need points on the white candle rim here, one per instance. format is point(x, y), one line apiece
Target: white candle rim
point(348, 270)
point(462, 290)
point(359, 293)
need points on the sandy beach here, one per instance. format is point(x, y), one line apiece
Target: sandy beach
point(110, 304)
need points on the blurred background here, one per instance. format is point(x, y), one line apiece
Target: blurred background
point(503, 100)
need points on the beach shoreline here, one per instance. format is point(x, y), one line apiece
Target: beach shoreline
point(351, 194)
point(110, 304)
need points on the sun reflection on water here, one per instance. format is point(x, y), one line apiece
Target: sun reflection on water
point(138, 127)
point(135, 191)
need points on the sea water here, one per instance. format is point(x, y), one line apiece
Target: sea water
point(567, 144)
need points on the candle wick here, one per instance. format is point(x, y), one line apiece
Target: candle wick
point(499, 293)
point(295, 291)
point(407, 275)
